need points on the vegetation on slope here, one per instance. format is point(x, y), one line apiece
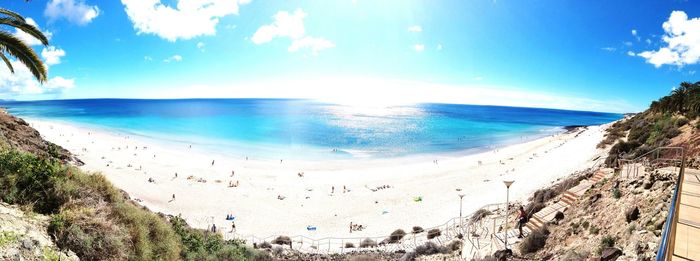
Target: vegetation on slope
point(97, 221)
point(656, 126)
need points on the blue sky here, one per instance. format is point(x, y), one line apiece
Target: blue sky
point(585, 55)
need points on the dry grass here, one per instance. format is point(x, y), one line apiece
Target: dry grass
point(535, 241)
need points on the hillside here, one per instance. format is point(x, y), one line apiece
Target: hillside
point(621, 216)
point(83, 214)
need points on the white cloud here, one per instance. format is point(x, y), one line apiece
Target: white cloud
point(630, 53)
point(419, 47)
point(23, 82)
point(52, 55)
point(147, 58)
point(313, 43)
point(627, 43)
point(28, 39)
point(285, 25)
point(291, 26)
point(439, 47)
point(634, 33)
point(75, 11)
point(682, 38)
point(478, 78)
point(200, 46)
point(415, 29)
point(648, 41)
point(188, 19)
point(609, 49)
point(174, 58)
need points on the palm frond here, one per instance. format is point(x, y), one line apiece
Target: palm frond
point(11, 14)
point(7, 62)
point(25, 54)
point(27, 28)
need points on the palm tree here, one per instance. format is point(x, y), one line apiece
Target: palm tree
point(14, 47)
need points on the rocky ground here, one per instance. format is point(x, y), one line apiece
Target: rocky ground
point(23, 236)
point(616, 219)
point(16, 133)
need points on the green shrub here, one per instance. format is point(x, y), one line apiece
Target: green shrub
point(534, 241)
point(480, 214)
point(433, 233)
point(97, 221)
point(368, 242)
point(594, 230)
point(616, 193)
point(396, 236)
point(605, 242)
point(7, 237)
point(417, 230)
point(681, 121)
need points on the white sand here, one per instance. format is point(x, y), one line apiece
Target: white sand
point(308, 200)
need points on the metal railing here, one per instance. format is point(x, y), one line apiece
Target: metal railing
point(476, 235)
point(472, 232)
point(665, 251)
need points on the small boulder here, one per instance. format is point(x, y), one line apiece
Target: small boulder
point(558, 216)
point(632, 214)
point(610, 253)
point(502, 255)
point(27, 244)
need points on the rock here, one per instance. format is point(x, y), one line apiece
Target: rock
point(572, 255)
point(632, 214)
point(659, 207)
point(659, 224)
point(27, 244)
point(610, 253)
point(502, 255)
point(652, 246)
point(594, 198)
point(559, 216)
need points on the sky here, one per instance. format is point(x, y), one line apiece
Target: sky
point(613, 56)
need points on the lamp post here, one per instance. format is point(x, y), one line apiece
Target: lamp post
point(460, 210)
point(507, 183)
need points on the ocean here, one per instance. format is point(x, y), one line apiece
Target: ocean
point(305, 129)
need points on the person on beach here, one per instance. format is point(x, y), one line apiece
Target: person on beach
point(173, 197)
point(212, 162)
point(232, 172)
point(522, 219)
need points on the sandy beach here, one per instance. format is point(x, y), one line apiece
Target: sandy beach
point(284, 197)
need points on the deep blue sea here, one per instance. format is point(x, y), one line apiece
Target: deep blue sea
point(309, 129)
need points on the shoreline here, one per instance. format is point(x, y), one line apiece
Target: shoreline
point(307, 200)
point(318, 153)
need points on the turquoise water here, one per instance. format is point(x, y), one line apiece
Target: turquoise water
point(308, 129)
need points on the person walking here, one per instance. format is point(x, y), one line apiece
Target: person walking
point(522, 219)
